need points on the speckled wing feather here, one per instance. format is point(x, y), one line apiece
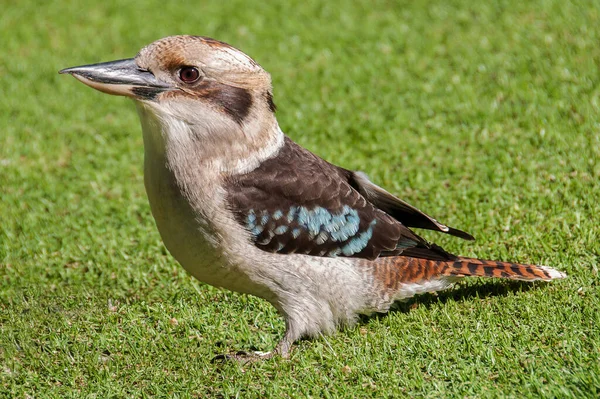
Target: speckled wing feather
point(298, 203)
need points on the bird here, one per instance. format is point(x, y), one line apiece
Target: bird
point(243, 207)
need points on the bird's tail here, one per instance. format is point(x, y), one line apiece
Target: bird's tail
point(466, 267)
point(405, 276)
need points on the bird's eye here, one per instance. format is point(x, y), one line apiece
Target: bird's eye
point(189, 74)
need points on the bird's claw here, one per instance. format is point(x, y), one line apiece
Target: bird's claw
point(242, 357)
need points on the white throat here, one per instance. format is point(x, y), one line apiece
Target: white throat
point(208, 139)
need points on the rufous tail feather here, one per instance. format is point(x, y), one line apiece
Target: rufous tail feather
point(404, 269)
point(465, 267)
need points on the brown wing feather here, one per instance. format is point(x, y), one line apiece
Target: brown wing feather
point(298, 203)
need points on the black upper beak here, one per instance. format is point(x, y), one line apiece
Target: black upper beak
point(122, 77)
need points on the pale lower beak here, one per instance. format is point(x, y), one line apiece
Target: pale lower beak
point(121, 78)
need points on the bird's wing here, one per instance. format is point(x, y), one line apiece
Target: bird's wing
point(397, 208)
point(298, 203)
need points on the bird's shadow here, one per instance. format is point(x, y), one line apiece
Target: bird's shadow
point(458, 293)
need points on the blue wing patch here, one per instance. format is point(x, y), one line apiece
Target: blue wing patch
point(311, 231)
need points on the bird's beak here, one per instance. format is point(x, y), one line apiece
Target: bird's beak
point(121, 78)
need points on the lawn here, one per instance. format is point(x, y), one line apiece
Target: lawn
point(486, 116)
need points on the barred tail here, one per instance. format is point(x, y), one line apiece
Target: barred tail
point(464, 267)
point(405, 276)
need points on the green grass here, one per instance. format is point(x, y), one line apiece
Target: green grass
point(484, 115)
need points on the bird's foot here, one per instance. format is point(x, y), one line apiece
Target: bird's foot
point(282, 350)
point(243, 357)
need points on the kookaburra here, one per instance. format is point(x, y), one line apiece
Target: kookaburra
point(243, 207)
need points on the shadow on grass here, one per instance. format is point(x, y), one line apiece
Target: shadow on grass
point(458, 293)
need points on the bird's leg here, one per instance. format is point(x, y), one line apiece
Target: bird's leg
point(283, 347)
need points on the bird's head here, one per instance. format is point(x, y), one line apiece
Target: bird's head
point(186, 70)
point(220, 95)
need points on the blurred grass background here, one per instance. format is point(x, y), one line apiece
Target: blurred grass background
point(485, 115)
